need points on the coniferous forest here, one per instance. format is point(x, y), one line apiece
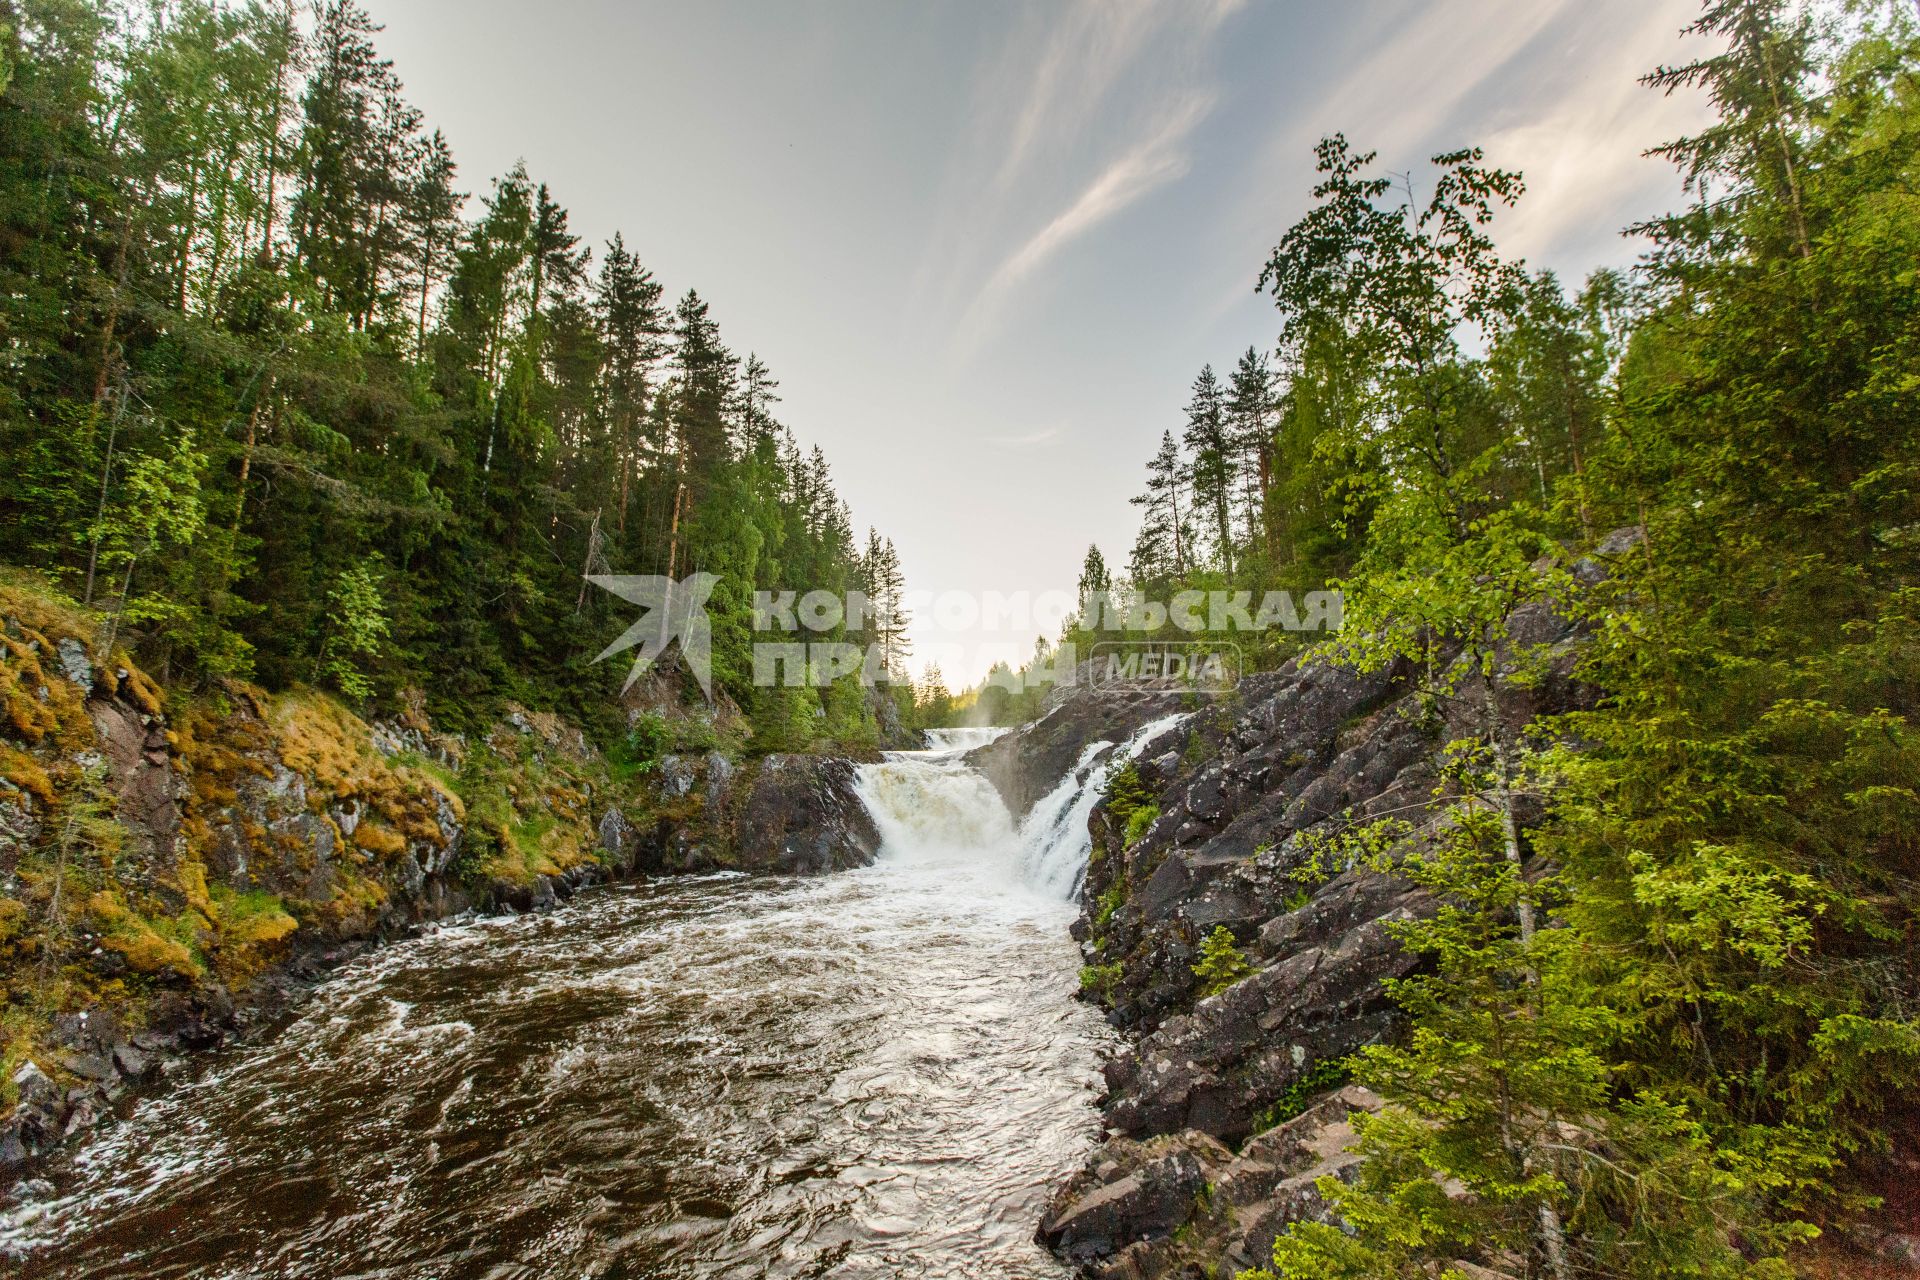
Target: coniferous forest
point(290, 403)
point(295, 417)
point(1690, 1043)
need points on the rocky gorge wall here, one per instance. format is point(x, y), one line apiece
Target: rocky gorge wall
point(1227, 1107)
point(177, 868)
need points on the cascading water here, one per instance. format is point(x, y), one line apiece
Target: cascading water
point(1054, 839)
point(872, 1074)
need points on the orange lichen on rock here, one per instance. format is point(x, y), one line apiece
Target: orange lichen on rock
point(37, 700)
point(26, 774)
point(318, 737)
point(380, 841)
point(146, 948)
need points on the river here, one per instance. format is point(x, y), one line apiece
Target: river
point(872, 1074)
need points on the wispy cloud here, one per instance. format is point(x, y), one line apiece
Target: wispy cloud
point(1583, 153)
point(1151, 163)
point(1576, 133)
point(1023, 440)
point(1085, 111)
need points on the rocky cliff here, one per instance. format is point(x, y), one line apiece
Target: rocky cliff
point(177, 866)
point(1227, 1106)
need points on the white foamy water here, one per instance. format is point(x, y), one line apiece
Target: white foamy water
point(878, 1073)
point(1054, 840)
point(962, 739)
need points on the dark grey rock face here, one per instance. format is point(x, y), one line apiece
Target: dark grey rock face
point(1297, 755)
point(1184, 1205)
point(800, 814)
point(1026, 764)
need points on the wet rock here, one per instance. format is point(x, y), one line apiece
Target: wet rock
point(35, 1089)
point(1028, 763)
point(88, 1067)
point(676, 777)
point(801, 814)
point(1139, 1192)
point(132, 1064)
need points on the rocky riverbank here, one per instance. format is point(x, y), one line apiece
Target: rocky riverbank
point(177, 868)
point(1226, 1108)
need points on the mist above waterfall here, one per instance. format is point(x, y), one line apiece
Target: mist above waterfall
point(931, 806)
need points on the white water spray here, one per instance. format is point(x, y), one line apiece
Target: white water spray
point(932, 807)
point(1054, 839)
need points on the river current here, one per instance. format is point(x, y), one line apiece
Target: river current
point(872, 1074)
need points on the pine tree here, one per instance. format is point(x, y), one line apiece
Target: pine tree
point(633, 328)
point(1249, 414)
point(432, 218)
point(1215, 461)
point(1161, 549)
point(1096, 586)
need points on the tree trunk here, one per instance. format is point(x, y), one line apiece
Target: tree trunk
point(106, 475)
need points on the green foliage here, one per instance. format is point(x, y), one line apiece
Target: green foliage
point(1221, 962)
point(1099, 980)
point(1697, 1057)
point(356, 613)
point(1139, 821)
point(292, 417)
point(647, 739)
point(1130, 803)
point(1322, 1076)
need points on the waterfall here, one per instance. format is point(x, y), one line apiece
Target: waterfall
point(932, 807)
point(962, 739)
point(929, 806)
point(1054, 840)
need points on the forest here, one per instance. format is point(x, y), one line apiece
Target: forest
point(1683, 1042)
point(292, 415)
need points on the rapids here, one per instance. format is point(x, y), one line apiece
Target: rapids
point(873, 1074)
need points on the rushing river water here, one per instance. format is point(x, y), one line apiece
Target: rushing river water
point(879, 1073)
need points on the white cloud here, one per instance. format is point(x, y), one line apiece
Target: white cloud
point(1576, 131)
point(1583, 154)
point(1152, 163)
point(1084, 112)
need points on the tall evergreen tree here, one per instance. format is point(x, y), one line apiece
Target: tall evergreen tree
point(1215, 461)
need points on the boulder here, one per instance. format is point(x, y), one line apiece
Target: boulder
point(800, 814)
point(1139, 1192)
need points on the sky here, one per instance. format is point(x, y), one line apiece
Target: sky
point(986, 246)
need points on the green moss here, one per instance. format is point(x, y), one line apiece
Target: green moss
point(151, 946)
point(1100, 980)
point(1130, 803)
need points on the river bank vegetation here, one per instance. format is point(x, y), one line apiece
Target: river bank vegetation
point(1669, 1030)
point(307, 456)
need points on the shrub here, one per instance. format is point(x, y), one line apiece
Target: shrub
point(1221, 963)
